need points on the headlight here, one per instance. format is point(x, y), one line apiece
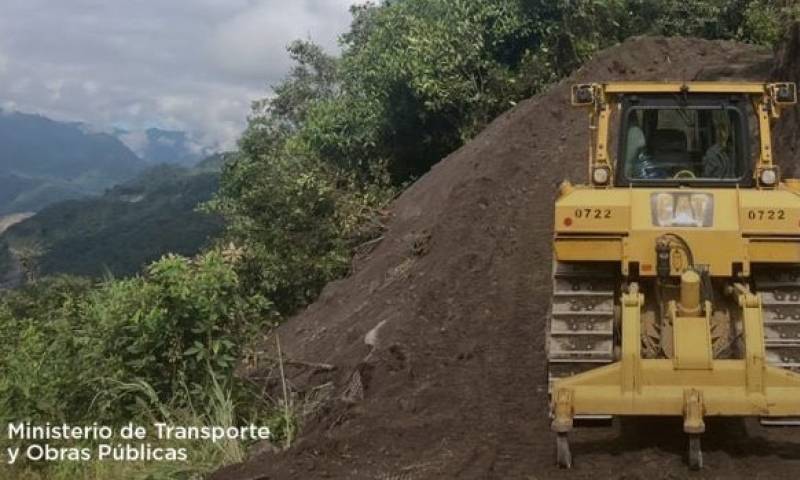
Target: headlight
point(682, 209)
point(664, 206)
point(768, 177)
point(600, 175)
point(701, 203)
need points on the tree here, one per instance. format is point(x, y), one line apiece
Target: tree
point(296, 214)
point(28, 254)
point(416, 80)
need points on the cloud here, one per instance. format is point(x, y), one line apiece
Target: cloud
point(3, 64)
point(54, 87)
point(90, 87)
point(168, 142)
point(136, 141)
point(192, 65)
point(251, 44)
point(7, 108)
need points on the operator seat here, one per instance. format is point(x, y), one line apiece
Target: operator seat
point(669, 146)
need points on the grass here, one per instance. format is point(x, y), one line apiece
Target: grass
point(204, 457)
point(286, 401)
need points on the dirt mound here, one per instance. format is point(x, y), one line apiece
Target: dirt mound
point(438, 337)
point(787, 133)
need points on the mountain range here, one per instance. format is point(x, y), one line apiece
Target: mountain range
point(43, 161)
point(157, 146)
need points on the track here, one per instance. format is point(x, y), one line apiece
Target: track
point(581, 323)
point(581, 329)
point(780, 296)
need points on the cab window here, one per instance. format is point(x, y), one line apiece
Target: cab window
point(684, 143)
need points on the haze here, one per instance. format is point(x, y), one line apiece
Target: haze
point(191, 65)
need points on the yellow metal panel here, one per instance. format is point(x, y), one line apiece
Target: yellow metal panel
point(769, 212)
point(662, 390)
point(774, 251)
point(592, 210)
point(676, 87)
point(692, 343)
point(598, 249)
point(628, 214)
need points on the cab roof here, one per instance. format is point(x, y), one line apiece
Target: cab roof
point(689, 87)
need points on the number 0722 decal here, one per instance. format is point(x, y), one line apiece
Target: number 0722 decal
point(766, 214)
point(593, 213)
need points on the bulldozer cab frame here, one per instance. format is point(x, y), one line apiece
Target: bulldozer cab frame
point(767, 101)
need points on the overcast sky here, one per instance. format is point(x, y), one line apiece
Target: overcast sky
point(192, 65)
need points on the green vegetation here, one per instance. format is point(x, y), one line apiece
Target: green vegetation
point(316, 167)
point(416, 79)
point(172, 327)
point(6, 262)
point(297, 216)
point(129, 226)
point(158, 346)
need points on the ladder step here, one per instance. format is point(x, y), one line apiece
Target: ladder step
point(605, 312)
point(589, 326)
point(583, 293)
point(780, 421)
point(578, 360)
point(581, 330)
point(593, 333)
point(596, 356)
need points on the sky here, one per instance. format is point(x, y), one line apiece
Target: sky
point(190, 65)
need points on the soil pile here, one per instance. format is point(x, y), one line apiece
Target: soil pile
point(787, 132)
point(437, 339)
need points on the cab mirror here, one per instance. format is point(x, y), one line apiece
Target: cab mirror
point(582, 94)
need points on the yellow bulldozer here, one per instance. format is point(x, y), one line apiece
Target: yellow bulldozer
point(676, 278)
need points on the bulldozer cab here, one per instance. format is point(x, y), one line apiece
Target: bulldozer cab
point(683, 134)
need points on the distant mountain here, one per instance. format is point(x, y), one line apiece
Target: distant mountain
point(44, 161)
point(158, 146)
point(213, 163)
point(129, 226)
